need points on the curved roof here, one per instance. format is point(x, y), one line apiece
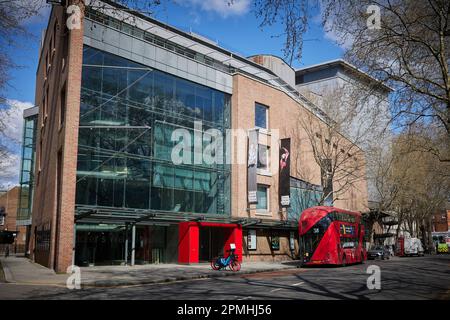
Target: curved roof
point(271, 55)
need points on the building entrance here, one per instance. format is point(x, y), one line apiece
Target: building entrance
point(100, 245)
point(156, 244)
point(108, 244)
point(211, 243)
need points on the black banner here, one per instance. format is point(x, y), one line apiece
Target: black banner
point(285, 172)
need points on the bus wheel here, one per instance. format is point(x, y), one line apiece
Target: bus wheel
point(344, 261)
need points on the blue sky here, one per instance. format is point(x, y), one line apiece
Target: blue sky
point(235, 28)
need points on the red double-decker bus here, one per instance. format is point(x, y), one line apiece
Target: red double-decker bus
point(331, 236)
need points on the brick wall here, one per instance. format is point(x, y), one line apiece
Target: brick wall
point(284, 115)
point(10, 200)
point(57, 137)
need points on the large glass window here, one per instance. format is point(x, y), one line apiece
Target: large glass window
point(128, 113)
point(27, 169)
point(303, 196)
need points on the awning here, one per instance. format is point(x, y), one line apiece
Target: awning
point(122, 216)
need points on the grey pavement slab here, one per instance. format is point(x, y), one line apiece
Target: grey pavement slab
point(24, 271)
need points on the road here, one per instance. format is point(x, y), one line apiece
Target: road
point(401, 278)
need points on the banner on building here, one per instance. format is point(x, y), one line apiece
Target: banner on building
point(292, 240)
point(251, 166)
point(251, 239)
point(275, 241)
point(285, 172)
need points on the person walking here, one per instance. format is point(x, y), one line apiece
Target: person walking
point(7, 251)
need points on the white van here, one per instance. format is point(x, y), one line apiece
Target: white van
point(413, 246)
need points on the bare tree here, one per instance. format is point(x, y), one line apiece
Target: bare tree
point(413, 183)
point(408, 50)
point(341, 161)
point(13, 13)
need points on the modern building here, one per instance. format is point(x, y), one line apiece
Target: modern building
point(358, 102)
point(27, 171)
point(121, 100)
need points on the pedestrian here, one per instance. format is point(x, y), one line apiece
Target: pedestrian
point(7, 251)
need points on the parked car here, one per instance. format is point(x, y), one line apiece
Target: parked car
point(378, 252)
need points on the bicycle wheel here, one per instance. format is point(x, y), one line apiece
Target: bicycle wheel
point(235, 266)
point(215, 265)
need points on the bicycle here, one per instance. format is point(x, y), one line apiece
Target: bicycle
point(231, 261)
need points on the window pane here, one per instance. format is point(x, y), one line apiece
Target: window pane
point(260, 116)
point(162, 199)
point(261, 195)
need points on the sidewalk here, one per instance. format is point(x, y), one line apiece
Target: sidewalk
point(22, 270)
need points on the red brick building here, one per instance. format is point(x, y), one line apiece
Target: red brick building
point(111, 92)
point(9, 201)
point(440, 221)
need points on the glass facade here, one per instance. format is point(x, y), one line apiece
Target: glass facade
point(304, 195)
point(27, 168)
point(127, 115)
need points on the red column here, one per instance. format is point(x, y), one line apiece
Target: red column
point(188, 242)
point(234, 235)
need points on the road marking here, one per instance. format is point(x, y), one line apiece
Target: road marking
point(276, 289)
point(297, 284)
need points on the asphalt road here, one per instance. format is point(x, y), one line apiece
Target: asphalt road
point(400, 278)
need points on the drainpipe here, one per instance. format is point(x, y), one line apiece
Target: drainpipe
point(133, 243)
point(126, 244)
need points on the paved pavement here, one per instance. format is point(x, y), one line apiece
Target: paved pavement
point(417, 278)
point(22, 271)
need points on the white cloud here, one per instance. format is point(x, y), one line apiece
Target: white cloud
point(9, 171)
point(11, 138)
point(14, 120)
point(345, 42)
point(224, 8)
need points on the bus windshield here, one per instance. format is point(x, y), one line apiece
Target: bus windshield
point(312, 238)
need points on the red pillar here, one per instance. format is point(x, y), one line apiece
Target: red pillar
point(234, 235)
point(188, 242)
